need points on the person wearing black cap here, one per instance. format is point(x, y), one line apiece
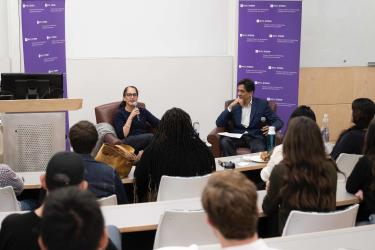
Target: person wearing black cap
point(20, 231)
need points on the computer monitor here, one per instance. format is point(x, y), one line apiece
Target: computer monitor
point(31, 86)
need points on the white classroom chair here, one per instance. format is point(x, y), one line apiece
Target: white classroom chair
point(300, 222)
point(108, 201)
point(8, 200)
point(346, 163)
point(173, 188)
point(183, 228)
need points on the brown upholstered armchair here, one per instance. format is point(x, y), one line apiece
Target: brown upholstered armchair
point(214, 138)
point(106, 113)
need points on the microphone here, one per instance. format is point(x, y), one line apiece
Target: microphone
point(135, 104)
point(263, 121)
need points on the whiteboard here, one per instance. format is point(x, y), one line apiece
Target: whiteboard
point(337, 33)
point(149, 28)
point(199, 85)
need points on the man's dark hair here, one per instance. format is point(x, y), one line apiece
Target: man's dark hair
point(64, 169)
point(71, 220)
point(303, 110)
point(248, 84)
point(83, 137)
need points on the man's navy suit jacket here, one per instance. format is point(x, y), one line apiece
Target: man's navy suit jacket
point(259, 108)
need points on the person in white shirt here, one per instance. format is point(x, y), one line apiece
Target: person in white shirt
point(277, 153)
point(230, 202)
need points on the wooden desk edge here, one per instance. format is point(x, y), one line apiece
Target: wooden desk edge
point(32, 186)
point(40, 105)
point(128, 180)
point(351, 201)
point(138, 228)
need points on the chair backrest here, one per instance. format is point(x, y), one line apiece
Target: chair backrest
point(346, 163)
point(108, 201)
point(8, 200)
point(173, 188)
point(183, 228)
point(307, 222)
point(106, 112)
point(115, 236)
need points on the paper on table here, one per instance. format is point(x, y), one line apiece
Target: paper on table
point(232, 135)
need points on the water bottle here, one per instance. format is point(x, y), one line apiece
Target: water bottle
point(271, 139)
point(325, 130)
point(196, 127)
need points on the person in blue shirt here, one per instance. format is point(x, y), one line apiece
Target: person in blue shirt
point(102, 179)
point(245, 113)
point(132, 123)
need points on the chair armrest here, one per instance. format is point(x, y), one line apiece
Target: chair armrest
point(214, 139)
point(111, 139)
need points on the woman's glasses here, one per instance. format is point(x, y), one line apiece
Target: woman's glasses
point(130, 94)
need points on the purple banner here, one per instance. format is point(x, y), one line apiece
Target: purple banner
point(269, 36)
point(43, 36)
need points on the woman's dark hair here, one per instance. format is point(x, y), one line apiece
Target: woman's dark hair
point(308, 184)
point(363, 110)
point(369, 151)
point(126, 90)
point(304, 110)
point(175, 150)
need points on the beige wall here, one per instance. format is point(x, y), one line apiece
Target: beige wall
point(332, 90)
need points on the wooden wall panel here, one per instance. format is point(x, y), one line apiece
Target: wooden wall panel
point(332, 90)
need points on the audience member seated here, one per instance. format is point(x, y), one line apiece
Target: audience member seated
point(246, 112)
point(102, 179)
point(9, 178)
point(351, 140)
point(72, 219)
point(230, 201)
point(132, 123)
point(20, 231)
point(361, 181)
point(277, 153)
point(176, 150)
point(306, 179)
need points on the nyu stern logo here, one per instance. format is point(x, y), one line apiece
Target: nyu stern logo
point(53, 71)
point(41, 21)
point(30, 39)
point(28, 5)
point(49, 5)
point(43, 55)
point(274, 99)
